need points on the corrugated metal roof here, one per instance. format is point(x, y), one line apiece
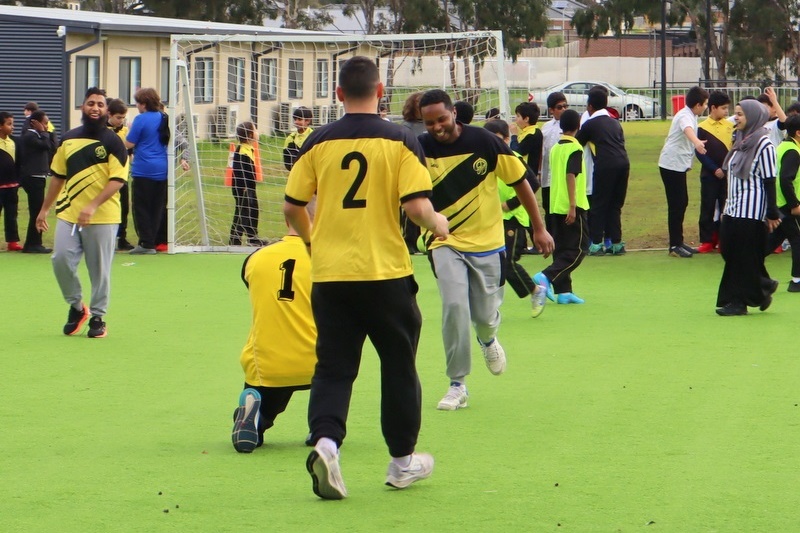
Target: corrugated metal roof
point(77, 20)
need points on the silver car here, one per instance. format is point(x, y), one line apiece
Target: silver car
point(629, 106)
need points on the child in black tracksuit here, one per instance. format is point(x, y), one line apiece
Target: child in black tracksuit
point(245, 217)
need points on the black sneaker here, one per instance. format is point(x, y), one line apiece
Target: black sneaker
point(732, 309)
point(245, 435)
point(124, 246)
point(793, 287)
point(679, 251)
point(97, 328)
point(36, 249)
point(76, 319)
point(689, 248)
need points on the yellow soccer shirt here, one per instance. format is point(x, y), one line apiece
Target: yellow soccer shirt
point(297, 138)
point(88, 160)
point(464, 176)
point(281, 347)
point(362, 169)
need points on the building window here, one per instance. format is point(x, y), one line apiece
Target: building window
point(87, 74)
point(166, 79)
point(323, 78)
point(235, 79)
point(203, 80)
point(295, 78)
point(269, 78)
point(130, 78)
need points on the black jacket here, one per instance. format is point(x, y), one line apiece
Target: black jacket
point(36, 151)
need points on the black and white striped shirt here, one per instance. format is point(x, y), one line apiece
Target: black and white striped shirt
point(746, 195)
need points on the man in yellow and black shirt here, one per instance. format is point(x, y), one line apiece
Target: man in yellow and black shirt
point(301, 117)
point(89, 168)
point(362, 170)
point(279, 355)
point(464, 163)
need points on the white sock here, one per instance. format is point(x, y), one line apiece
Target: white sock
point(328, 445)
point(402, 462)
point(795, 280)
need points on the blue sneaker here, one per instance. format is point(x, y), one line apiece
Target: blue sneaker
point(569, 298)
point(540, 279)
point(245, 425)
point(607, 243)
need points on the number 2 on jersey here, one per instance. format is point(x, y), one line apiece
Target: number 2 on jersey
point(350, 201)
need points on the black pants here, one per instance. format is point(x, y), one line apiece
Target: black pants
point(545, 193)
point(149, 197)
point(34, 188)
point(9, 205)
point(274, 401)
point(516, 275)
point(677, 200)
point(245, 215)
point(410, 231)
point(125, 208)
point(713, 193)
point(610, 186)
point(745, 278)
point(789, 229)
point(572, 245)
point(346, 313)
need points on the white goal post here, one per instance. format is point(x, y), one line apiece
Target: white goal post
point(220, 81)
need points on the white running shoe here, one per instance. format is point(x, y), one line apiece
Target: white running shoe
point(538, 299)
point(456, 398)
point(495, 357)
point(421, 467)
point(325, 474)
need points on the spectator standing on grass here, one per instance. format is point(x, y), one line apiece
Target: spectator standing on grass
point(551, 133)
point(716, 132)
point(117, 111)
point(611, 169)
point(464, 112)
point(362, 170)
point(149, 169)
point(89, 168)
point(675, 162)
point(9, 181)
point(245, 216)
point(750, 213)
point(515, 224)
point(468, 265)
point(294, 141)
point(279, 356)
point(777, 117)
point(38, 149)
point(569, 207)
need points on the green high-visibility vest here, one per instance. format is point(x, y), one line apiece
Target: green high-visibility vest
point(559, 194)
point(781, 150)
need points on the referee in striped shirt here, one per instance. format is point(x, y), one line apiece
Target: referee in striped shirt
point(750, 213)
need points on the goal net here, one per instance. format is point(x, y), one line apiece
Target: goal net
point(221, 81)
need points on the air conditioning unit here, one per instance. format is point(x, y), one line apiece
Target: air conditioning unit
point(283, 117)
point(340, 113)
point(233, 120)
point(333, 114)
point(196, 124)
point(321, 115)
point(219, 128)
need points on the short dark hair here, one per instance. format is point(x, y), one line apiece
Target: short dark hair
point(764, 99)
point(149, 97)
point(696, 95)
point(464, 112)
point(718, 99)
point(794, 108)
point(529, 110)
point(244, 131)
point(116, 107)
point(497, 126)
point(31, 106)
point(792, 126)
point(553, 99)
point(436, 96)
point(493, 113)
point(302, 112)
point(94, 91)
point(359, 77)
point(597, 98)
point(5, 115)
point(570, 120)
point(39, 115)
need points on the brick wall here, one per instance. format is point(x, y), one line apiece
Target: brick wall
point(634, 46)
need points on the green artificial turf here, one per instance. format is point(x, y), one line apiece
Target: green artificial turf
point(638, 411)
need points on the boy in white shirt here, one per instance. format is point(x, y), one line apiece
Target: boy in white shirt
point(676, 161)
point(551, 131)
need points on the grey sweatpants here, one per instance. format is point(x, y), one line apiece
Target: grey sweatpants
point(471, 291)
point(95, 242)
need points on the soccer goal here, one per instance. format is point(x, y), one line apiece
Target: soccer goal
point(221, 81)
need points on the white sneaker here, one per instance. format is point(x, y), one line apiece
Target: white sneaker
point(325, 474)
point(538, 299)
point(421, 467)
point(456, 398)
point(495, 357)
